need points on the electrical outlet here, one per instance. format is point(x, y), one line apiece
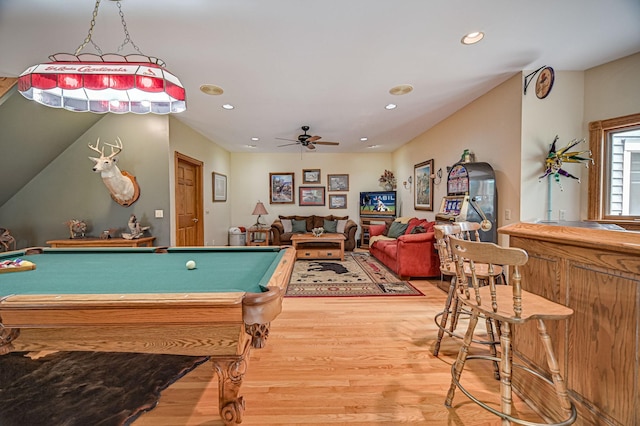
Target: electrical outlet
point(159, 214)
point(507, 214)
point(562, 214)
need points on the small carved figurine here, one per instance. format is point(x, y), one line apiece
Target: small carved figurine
point(137, 231)
point(77, 228)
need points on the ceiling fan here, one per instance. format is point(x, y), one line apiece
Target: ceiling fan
point(307, 140)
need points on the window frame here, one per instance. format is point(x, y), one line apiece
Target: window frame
point(598, 144)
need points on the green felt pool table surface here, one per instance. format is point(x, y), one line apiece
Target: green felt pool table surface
point(142, 270)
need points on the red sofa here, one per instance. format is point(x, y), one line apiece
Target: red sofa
point(410, 254)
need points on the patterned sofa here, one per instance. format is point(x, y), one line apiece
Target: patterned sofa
point(406, 246)
point(282, 236)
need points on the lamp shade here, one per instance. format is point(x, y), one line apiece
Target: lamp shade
point(259, 209)
point(107, 83)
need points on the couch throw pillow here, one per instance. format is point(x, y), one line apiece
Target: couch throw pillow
point(287, 225)
point(330, 226)
point(341, 225)
point(418, 230)
point(396, 229)
point(377, 229)
point(298, 226)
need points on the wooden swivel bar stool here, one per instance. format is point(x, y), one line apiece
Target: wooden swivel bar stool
point(447, 319)
point(508, 304)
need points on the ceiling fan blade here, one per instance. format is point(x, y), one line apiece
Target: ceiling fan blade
point(310, 146)
point(313, 138)
point(290, 140)
point(327, 143)
point(288, 144)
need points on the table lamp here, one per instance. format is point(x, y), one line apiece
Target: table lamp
point(259, 210)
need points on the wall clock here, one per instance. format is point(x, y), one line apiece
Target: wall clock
point(544, 82)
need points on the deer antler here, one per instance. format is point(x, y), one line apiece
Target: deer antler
point(95, 148)
point(118, 146)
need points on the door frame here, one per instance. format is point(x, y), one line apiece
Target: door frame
point(198, 165)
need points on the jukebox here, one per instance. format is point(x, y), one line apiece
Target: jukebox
point(472, 196)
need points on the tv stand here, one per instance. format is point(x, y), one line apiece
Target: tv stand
point(365, 222)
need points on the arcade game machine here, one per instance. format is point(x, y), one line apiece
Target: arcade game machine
point(472, 196)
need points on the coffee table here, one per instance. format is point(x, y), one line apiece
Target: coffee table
point(326, 246)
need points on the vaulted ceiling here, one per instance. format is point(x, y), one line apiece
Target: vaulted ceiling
point(328, 64)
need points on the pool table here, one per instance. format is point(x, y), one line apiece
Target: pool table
point(146, 300)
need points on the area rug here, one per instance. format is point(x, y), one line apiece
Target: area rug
point(85, 388)
point(358, 275)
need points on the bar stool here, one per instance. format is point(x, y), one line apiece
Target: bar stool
point(510, 305)
point(447, 319)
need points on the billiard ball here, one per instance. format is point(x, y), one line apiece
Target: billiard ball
point(191, 264)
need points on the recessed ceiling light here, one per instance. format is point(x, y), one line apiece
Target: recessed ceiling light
point(250, 146)
point(373, 146)
point(255, 139)
point(401, 89)
point(211, 89)
point(390, 106)
point(228, 106)
point(364, 139)
point(472, 38)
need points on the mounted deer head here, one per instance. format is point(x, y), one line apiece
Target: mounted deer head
point(123, 187)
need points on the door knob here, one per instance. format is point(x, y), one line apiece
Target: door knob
point(195, 219)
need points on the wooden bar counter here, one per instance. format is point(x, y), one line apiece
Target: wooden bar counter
point(596, 272)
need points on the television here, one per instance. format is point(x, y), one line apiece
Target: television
point(378, 204)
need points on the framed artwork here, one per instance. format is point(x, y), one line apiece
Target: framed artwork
point(338, 182)
point(311, 176)
point(337, 201)
point(311, 195)
point(423, 186)
point(281, 188)
point(219, 185)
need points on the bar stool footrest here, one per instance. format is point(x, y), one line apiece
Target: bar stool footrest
point(567, 422)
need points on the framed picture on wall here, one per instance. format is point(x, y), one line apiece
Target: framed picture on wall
point(312, 196)
point(219, 185)
point(337, 201)
point(423, 186)
point(338, 182)
point(311, 176)
point(281, 188)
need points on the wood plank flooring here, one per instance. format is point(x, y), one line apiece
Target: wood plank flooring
point(351, 360)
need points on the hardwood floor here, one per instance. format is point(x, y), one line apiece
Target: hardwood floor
point(352, 360)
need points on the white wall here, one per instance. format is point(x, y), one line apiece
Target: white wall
point(250, 182)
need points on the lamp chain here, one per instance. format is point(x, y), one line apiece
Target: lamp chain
point(127, 37)
point(88, 38)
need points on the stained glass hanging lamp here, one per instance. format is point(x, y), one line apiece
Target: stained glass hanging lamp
point(103, 83)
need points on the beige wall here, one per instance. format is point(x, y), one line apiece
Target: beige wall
point(490, 128)
point(217, 215)
point(610, 90)
point(251, 181)
point(560, 113)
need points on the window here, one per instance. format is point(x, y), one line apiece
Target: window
point(614, 180)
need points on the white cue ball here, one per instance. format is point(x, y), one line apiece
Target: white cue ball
point(191, 264)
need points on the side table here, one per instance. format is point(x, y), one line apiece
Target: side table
point(258, 236)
